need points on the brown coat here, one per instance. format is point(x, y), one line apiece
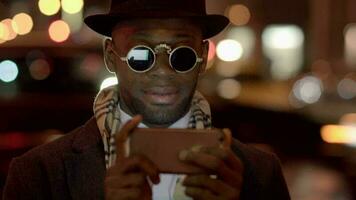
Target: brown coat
point(73, 168)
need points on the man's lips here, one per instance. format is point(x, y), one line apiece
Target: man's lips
point(161, 95)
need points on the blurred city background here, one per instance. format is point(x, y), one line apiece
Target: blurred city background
point(282, 77)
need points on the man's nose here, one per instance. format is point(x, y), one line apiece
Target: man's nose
point(161, 68)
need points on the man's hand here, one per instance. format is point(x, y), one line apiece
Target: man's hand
point(127, 179)
point(219, 161)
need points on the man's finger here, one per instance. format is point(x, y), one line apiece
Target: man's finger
point(204, 160)
point(131, 180)
point(227, 138)
point(216, 186)
point(198, 193)
point(121, 137)
point(215, 165)
point(232, 161)
point(215, 151)
point(139, 163)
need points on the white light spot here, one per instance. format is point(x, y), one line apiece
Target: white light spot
point(283, 45)
point(229, 50)
point(308, 89)
point(347, 88)
point(229, 88)
point(8, 71)
point(108, 82)
point(283, 37)
point(246, 37)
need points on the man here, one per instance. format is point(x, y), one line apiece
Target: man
point(157, 50)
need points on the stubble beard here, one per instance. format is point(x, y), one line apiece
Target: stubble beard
point(162, 115)
point(155, 115)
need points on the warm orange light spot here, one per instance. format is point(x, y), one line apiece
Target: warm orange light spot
point(339, 134)
point(348, 119)
point(4, 32)
point(239, 14)
point(22, 23)
point(59, 31)
point(9, 33)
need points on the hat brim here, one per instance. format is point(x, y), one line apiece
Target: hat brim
point(104, 23)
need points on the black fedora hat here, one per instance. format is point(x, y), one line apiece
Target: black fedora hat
point(131, 9)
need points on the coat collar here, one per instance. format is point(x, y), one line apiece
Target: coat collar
point(85, 166)
point(87, 137)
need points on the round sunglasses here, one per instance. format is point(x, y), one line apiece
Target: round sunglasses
point(142, 58)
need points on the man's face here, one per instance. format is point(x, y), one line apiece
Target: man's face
point(161, 95)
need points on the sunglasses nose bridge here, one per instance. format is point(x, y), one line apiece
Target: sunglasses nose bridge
point(162, 65)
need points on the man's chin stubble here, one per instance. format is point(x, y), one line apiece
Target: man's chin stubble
point(163, 115)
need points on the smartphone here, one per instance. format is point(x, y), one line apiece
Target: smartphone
point(162, 146)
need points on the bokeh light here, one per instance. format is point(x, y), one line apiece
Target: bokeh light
point(4, 32)
point(239, 14)
point(229, 50)
point(72, 6)
point(40, 69)
point(49, 7)
point(347, 88)
point(246, 36)
point(229, 89)
point(308, 89)
point(8, 71)
point(283, 45)
point(348, 119)
point(283, 37)
point(9, 33)
point(34, 55)
point(59, 31)
point(22, 23)
point(339, 134)
point(108, 82)
point(90, 66)
point(350, 44)
point(74, 20)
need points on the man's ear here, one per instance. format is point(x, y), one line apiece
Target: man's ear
point(109, 55)
point(204, 56)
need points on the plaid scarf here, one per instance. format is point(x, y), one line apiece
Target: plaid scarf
point(107, 114)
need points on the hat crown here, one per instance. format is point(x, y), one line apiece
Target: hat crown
point(194, 7)
point(121, 10)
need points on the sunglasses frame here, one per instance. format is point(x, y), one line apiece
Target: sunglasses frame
point(169, 51)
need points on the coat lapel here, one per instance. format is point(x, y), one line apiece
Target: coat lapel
point(85, 167)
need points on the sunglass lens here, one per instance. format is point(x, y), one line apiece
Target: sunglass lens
point(140, 58)
point(183, 59)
